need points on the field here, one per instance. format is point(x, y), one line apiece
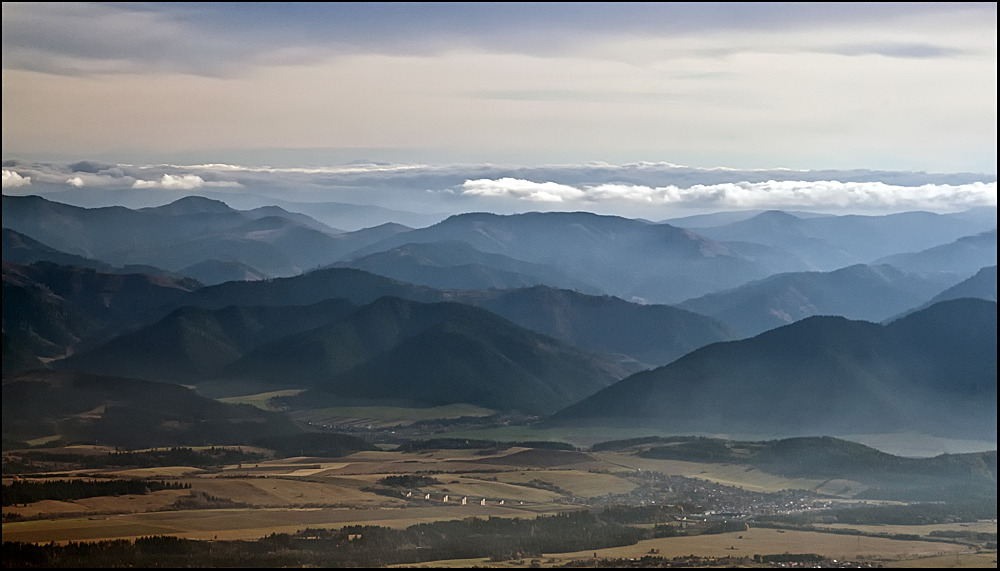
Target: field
point(249, 501)
point(756, 541)
point(385, 416)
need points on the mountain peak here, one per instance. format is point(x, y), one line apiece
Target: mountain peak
point(191, 205)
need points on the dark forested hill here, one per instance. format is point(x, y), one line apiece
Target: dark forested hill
point(191, 342)
point(50, 308)
point(934, 370)
point(441, 353)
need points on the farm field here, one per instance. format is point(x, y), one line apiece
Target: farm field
point(748, 543)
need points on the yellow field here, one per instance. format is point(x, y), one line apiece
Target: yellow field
point(239, 523)
point(964, 561)
point(922, 530)
point(260, 400)
point(754, 541)
point(729, 474)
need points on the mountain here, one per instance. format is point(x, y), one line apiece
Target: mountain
point(191, 343)
point(50, 308)
point(214, 272)
point(831, 242)
point(631, 259)
point(430, 354)
point(870, 293)
point(457, 265)
point(983, 285)
point(652, 334)
point(186, 232)
point(932, 371)
point(964, 257)
point(22, 249)
point(127, 412)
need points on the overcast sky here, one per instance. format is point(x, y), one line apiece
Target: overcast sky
point(897, 87)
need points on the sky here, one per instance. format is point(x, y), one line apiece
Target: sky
point(500, 87)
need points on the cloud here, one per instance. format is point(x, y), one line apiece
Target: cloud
point(75, 181)
point(214, 39)
point(748, 195)
point(182, 182)
point(522, 189)
point(12, 179)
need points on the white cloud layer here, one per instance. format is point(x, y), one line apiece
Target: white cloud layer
point(12, 179)
point(748, 195)
point(182, 182)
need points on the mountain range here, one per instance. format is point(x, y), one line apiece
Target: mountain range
point(933, 371)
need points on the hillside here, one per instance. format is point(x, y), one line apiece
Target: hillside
point(626, 258)
point(126, 412)
point(983, 285)
point(869, 293)
point(964, 257)
point(457, 265)
point(652, 334)
point(50, 308)
point(831, 242)
point(429, 354)
point(191, 343)
point(186, 232)
point(933, 371)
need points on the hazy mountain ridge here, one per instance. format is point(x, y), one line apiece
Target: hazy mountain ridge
point(186, 232)
point(823, 375)
point(623, 257)
point(963, 257)
point(830, 242)
point(457, 265)
point(869, 293)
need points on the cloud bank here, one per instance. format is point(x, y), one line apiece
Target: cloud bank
point(748, 195)
point(182, 182)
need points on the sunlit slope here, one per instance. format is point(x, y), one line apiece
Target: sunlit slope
point(934, 371)
point(430, 354)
